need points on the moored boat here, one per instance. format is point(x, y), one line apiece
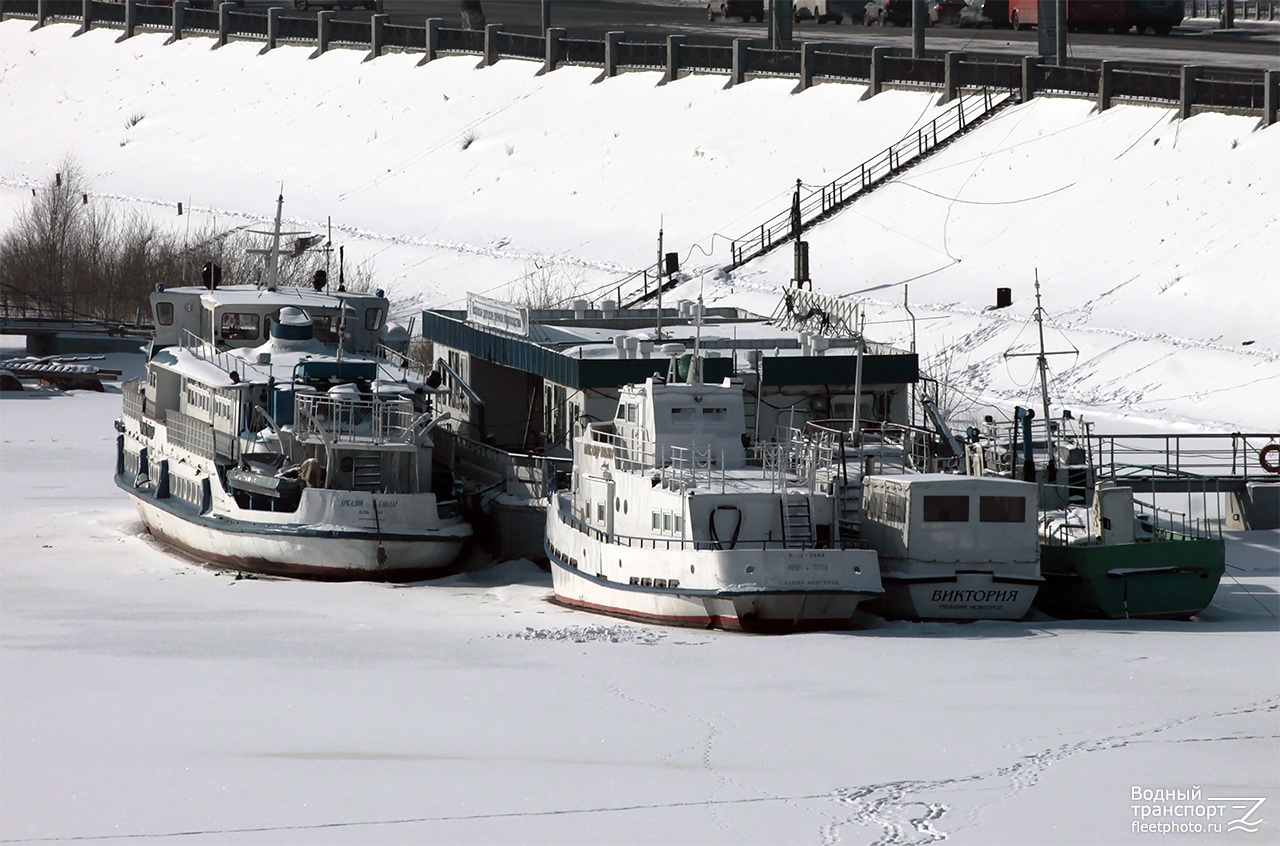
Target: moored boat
point(275, 432)
point(953, 547)
point(1108, 560)
point(675, 516)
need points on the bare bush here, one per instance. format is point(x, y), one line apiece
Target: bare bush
point(546, 286)
point(68, 256)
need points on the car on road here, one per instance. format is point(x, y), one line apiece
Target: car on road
point(977, 14)
point(744, 9)
point(896, 12)
point(828, 11)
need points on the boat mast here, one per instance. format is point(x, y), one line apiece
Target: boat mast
point(1042, 367)
point(657, 272)
point(1042, 364)
point(273, 259)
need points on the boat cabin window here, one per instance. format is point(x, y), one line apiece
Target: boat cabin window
point(715, 412)
point(1002, 509)
point(683, 415)
point(946, 509)
point(622, 413)
point(164, 313)
point(239, 326)
point(372, 319)
point(323, 329)
point(657, 521)
point(631, 413)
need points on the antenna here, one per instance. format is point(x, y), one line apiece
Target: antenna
point(658, 273)
point(1042, 365)
point(695, 368)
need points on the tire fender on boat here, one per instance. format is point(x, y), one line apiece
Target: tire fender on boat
point(1270, 465)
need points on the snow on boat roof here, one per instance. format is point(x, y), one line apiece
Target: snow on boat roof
point(284, 296)
point(596, 341)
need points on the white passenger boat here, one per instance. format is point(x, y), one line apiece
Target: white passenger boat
point(675, 517)
point(953, 547)
point(275, 433)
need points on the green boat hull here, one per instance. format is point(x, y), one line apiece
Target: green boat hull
point(1152, 580)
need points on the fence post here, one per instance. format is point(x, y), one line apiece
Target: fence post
point(324, 22)
point(554, 54)
point(1030, 64)
point(273, 27)
point(179, 19)
point(378, 34)
point(1270, 96)
point(491, 44)
point(130, 16)
point(877, 68)
point(952, 81)
point(739, 74)
point(42, 12)
point(1187, 90)
point(86, 16)
point(1105, 84)
point(433, 39)
point(224, 23)
point(612, 46)
point(674, 43)
point(808, 57)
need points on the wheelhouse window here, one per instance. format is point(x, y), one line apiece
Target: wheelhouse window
point(164, 313)
point(239, 326)
point(372, 318)
point(683, 415)
point(1002, 509)
point(946, 509)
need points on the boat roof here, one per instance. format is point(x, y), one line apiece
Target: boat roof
point(252, 294)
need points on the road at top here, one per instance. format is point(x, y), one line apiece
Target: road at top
point(1250, 45)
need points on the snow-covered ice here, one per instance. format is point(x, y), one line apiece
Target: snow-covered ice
point(145, 699)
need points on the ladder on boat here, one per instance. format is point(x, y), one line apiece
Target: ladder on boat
point(367, 473)
point(849, 506)
point(797, 523)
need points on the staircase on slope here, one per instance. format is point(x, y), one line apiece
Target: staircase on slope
point(824, 201)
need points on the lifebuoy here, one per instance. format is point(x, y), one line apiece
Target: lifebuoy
point(1270, 466)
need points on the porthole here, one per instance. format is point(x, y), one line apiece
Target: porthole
point(857, 571)
point(617, 504)
point(750, 569)
point(624, 506)
point(690, 568)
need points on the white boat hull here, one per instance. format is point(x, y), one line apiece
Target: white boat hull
point(961, 596)
point(329, 552)
point(767, 590)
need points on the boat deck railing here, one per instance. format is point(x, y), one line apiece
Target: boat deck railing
point(373, 422)
point(795, 461)
point(667, 544)
point(132, 399)
point(1157, 524)
point(1152, 462)
point(1139, 458)
point(206, 351)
